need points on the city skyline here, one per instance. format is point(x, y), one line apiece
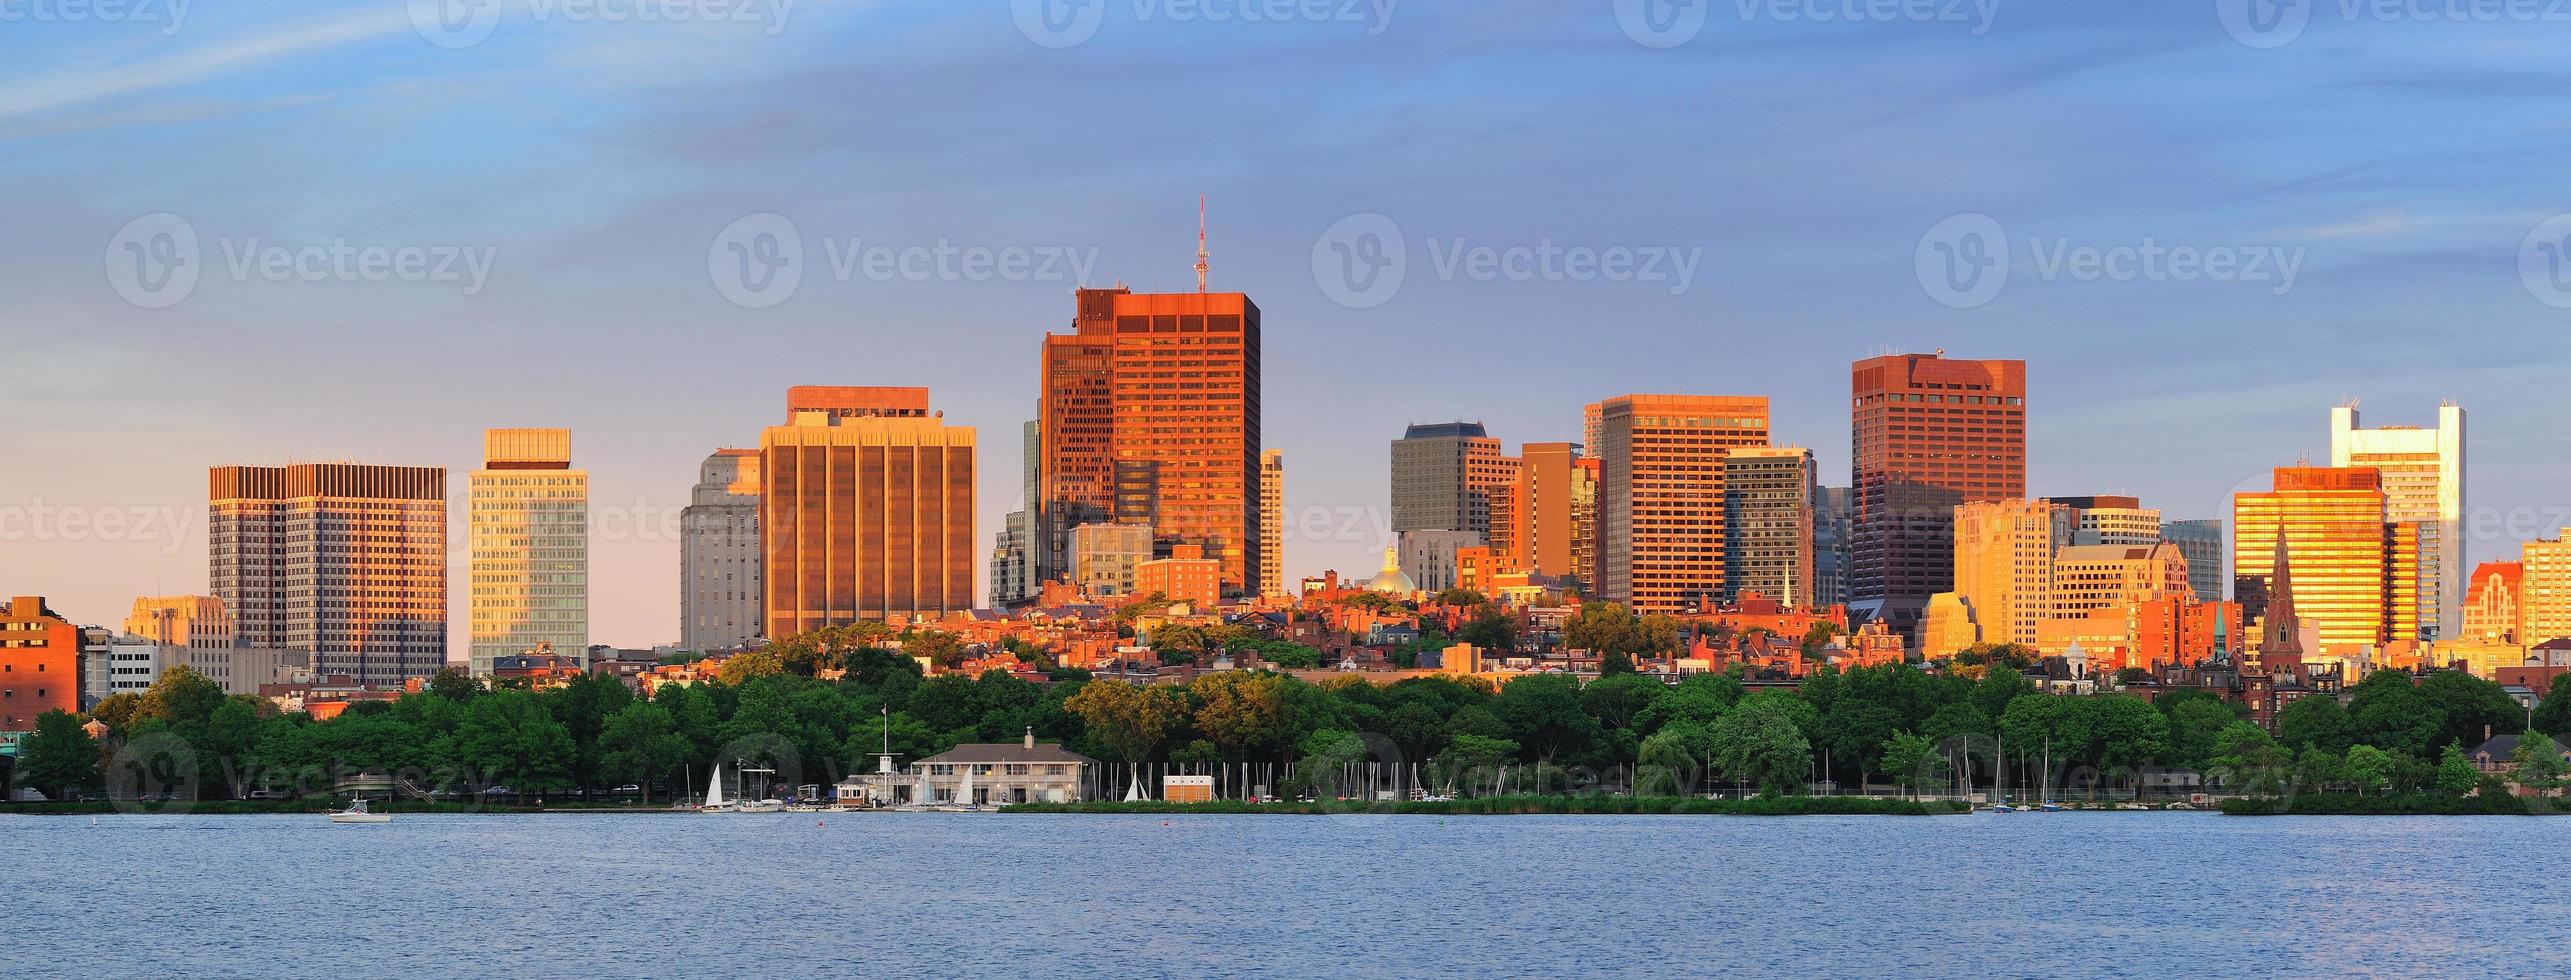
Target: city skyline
point(2177, 392)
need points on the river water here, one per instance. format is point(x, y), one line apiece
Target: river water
point(2073, 894)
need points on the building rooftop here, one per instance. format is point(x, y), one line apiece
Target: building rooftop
point(995, 753)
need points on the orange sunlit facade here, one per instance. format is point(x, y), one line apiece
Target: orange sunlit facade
point(866, 511)
point(1660, 494)
point(344, 561)
point(1926, 434)
point(1186, 575)
point(39, 664)
point(1546, 506)
point(2355, 576)
point(1158, 394)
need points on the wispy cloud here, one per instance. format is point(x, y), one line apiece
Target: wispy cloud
point(87, 86)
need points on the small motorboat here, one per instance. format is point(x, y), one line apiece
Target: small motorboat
point(358, 813)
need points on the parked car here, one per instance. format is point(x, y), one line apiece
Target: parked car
point(628, 789)
point(499, 791)
point(267, 794)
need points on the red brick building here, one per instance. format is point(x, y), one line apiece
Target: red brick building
point(39, 664)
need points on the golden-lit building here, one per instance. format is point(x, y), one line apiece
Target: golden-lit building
point(342, 561)
point(529, 540)
point(39, 663)
point(196, 621)
point(2087, 578)
point(2004, 562)
point(1947, 628)
point(2491, 603)
point(867, 510)
point(2355, 576)
point(1272, 580)
point(2544, 602)
point(1550, 495)
point(1150, 411)
point(1186, 575)
point(1661, 525)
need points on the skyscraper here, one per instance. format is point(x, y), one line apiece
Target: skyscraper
point(2355, 574)
point(1444, 477)
point(1660, 494)
point(2004, 564)
point(1157, 391)
point(341, 561)
point(1830, 539)
point(529, 540)
point(2202, 543)
point(1013, 558)
point(1926, 434)
point(1767, 521)
point(719, 591)
point(866, 512)
point(2544, 597)
point(1548, 498)
point(2110, 520)
point(1272, 581)
point(2423, 482)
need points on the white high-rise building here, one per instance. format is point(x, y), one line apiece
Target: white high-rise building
point(1272, 523)
point(719, 573)
point(530, 538)
point(2423, 480)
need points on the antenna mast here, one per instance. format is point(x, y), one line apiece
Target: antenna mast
point(1201, 264)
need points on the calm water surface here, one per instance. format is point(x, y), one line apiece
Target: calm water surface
point(2128, 894)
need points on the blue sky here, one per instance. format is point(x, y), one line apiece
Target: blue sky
point(597, 163)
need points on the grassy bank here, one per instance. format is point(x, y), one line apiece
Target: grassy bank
point(2409, 805)
point(1780, 806)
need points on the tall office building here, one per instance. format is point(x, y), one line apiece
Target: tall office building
point(1584, 523)
point(2093, 577)
point(1013, 561)
point(1660, 494)
point(1445, 476)
point(2110, 520)
point(195, 621)
point(1926, 434)
point(719, 592)
point(1831, 533)
point(2004, 564)
point(1272, 582)
point(2493, 604)
point(866, 510)
point(1157, 394)
point(2423, 482)
point(1548, 498)
point(2202, 543)
point(2544, 596)
point(1767, 521)
point(40, 660)
point(343, 562)
point(2355, 573)
point(529, 535)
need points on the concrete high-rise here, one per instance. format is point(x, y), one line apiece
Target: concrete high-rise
point(1767, 522)
point(2004, 564)
point(1831, 532)
point(344, 562)
point(2111, 520)
point(2544, 596)
point(1157, 391)
point(1926, 434)
point(866, 510)
point(1444, 477)
point(529, 540)
point(1584, 523)
point(1013, 557)
point(2423, 483)
point(1272, 582)
point(2202, 543)
point(720, 597)
point(2355, 573)
point(1661, 525)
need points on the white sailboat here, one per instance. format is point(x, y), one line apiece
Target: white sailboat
point(714, 801)
point(964, 792)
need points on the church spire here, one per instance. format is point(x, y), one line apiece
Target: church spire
point(2282, 632)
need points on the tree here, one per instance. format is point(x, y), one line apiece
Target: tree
point(1178, 643)
point(2313, 722)
point(2455, 773)
point(1461, 598)
point(1468, 760)
point(640, 742)
point(2196, 720)
point(1759, 743)
point(1492, 630)
point(1241, 713)
point(1606, 627)
point(2246, 758)
point(2470, 706)
point(1616, 701)
point(1906, 759)
point(181, 695)
point(455, 684)
point(58, 758)
point(2553, 714)
point(2369, 768)
point(1543, 711)
point(2316, 768)
point(940, 648)
point(2389, 712)
point(739, 668)
point(2537, 764)
point(120, 711)
point(509, 738)
point(1665, 765)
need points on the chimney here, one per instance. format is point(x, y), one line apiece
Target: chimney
point(1031, 736)
point(2486, 733)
